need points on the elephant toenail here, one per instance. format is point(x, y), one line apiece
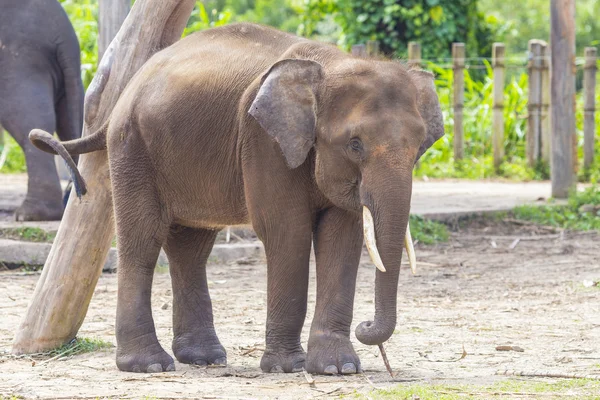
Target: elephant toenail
point(136, 368)
point(348, 368)
point(154, 368)
point(220, 361)
point(170, 367)
point(277, 369)
point(331, 369)
point(201, 362)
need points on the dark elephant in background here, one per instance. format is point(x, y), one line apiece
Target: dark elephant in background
point(246, 124)
point(40, 86)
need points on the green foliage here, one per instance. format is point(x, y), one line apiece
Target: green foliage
point(434, 23)
point(581, 388)
point(84, 15)
point(427, 231)
point(438, 161)
point(78, 346)
point(570, 216)
point(12, 159)
point(28, 234)
point(521, 20)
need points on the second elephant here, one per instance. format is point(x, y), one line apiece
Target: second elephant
point(247, 124)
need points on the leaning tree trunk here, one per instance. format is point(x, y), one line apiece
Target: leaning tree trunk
point(65, 288)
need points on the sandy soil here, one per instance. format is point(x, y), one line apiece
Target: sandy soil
point(479, 291)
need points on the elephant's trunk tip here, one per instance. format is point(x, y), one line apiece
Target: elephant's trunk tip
point(372, 333)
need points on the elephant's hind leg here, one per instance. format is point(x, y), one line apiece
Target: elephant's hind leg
point(195, 340)
point(141, 231)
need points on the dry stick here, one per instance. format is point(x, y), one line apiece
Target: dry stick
point(542, 374)
point(385, 360)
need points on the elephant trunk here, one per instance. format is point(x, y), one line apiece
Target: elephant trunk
point(386, 203)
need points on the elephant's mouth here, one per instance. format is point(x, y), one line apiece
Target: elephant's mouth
point(369, 234)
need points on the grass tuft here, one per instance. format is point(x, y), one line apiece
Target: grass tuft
point(28, 234)
point(575, 388)
point(427, 231)
point(582, 212)
point(78, 346)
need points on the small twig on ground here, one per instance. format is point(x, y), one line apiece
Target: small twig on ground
point(514, 243)
point(309, 378)
point(70, 350)
point(369, 381)
point(544, 374)
point(251, 350)
point(385, 360)
point(509, 348)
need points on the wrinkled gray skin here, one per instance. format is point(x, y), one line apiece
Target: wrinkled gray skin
point(40, 87)
point(246, 124)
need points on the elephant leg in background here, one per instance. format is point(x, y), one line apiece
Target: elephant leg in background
point(287, 247)
point(338, 246)
point(141, 231)
point(195, 340)
point(32, 108)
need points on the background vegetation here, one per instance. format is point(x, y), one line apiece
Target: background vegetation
point(435, 24)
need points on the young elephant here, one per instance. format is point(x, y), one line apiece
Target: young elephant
point(246, 124)
point(40, 87)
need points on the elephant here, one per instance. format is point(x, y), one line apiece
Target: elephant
point(244, 124)
point(40, 87)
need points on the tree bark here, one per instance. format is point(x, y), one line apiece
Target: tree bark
point(65, 288)
point(111, 14)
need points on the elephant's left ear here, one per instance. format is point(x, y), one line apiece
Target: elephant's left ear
point(286, 106)
point(429, 108)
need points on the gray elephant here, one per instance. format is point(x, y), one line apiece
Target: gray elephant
point(246, 124)
point(40, 87)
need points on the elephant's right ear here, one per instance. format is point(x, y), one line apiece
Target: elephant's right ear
point(286, 106)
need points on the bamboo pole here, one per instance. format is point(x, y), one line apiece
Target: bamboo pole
point(589, 107)
point(498, 55)
point(534, 103)
point(65, 288)
point(562, 46)
point(546, 135)
point(414, 54)
point(359, 50)
point(458, 57)
point(111, 14)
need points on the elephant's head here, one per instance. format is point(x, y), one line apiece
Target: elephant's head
point(369, 122)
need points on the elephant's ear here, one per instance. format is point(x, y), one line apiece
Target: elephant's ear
point(429, 108)
point(286, 106)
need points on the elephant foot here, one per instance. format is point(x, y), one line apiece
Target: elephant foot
point(39, 210)
point(199, 350)
point(331, 354)
point(277, 360)
point(150, 359)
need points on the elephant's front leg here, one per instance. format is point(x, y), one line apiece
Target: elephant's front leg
point(287, 246)
point(338, 245)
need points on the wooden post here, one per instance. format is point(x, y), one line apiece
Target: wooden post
point(414, 54)
point(545, 108)
point(589, 106)
point(373, 48)
point(534, 103)
point(111, 14)
point(562, 46)
point(359, 50)
point(64, 290)
point(498, 55)
point(458, 57)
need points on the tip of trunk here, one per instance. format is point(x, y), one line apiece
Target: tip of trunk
point(372, 333)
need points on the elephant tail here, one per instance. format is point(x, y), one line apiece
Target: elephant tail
point(90, 143)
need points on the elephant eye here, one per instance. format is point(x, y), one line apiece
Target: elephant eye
point(355, 144)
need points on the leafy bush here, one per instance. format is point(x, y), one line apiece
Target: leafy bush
point(582, 212)
point(434, 23)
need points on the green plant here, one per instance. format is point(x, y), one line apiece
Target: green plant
point(75, 347)
point(582, 212)
point(28, 234)
point(427, 231)
point(12, 158)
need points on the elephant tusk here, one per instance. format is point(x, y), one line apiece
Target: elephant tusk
point(410, 250)
point(369, 233)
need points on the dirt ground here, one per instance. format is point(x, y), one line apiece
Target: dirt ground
point(480, 290)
